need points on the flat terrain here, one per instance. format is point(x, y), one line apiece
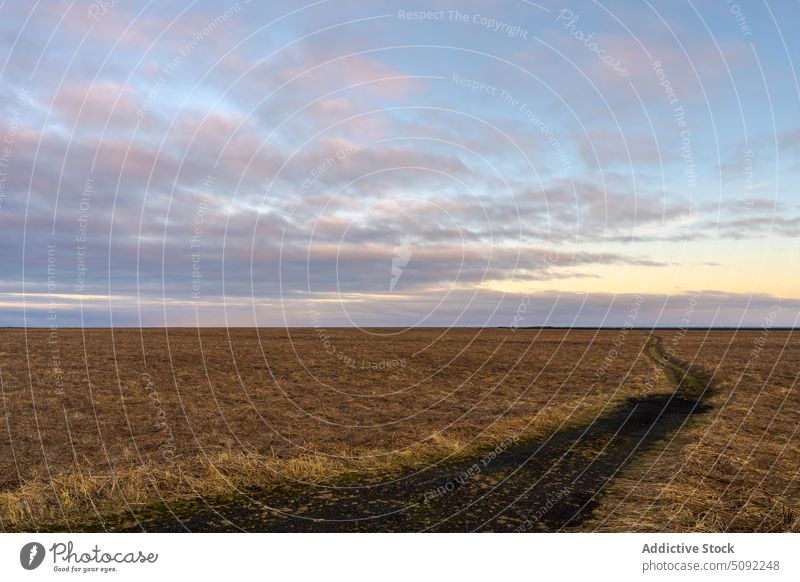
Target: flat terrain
point(319, 430)
point(551, 484)
point(738, 470)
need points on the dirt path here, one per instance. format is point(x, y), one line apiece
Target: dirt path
point(547, 485)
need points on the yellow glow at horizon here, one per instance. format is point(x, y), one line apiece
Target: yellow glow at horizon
point(746, 277)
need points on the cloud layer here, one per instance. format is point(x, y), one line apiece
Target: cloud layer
point(245, 164)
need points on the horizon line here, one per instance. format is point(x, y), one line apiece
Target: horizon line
point(530, 327)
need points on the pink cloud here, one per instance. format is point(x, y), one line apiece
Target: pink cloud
point(323, 72)
point(96, 104)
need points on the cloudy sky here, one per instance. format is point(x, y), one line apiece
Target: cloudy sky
point(368, 163)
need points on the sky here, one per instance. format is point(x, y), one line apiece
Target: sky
point(392, 163)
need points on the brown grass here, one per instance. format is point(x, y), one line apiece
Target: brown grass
point(132, 417)
point(737, 467)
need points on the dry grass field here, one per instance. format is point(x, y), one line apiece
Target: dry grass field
point(97, 422)
point(738, 469)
